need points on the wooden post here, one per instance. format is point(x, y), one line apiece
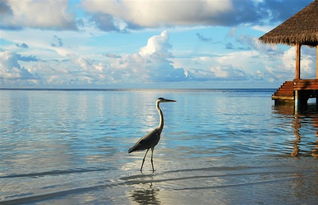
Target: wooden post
point(297, 77)
point(316, 73)
point(317, 62)
point(297, 71)
point(297, 102)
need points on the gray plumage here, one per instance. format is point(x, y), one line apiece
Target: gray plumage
point(150, 140)
point(146, 142)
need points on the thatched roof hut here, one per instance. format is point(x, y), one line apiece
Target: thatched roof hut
point(302, 28)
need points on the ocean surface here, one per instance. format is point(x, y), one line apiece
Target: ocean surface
point(217, 147)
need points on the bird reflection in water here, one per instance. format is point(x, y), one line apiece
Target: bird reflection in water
point(146, 194)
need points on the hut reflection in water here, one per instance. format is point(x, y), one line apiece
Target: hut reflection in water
point(306, 121)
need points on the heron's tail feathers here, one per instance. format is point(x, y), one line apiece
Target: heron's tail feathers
point(139, 146)
point(132, 149)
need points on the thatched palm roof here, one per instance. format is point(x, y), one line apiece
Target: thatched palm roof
point(302, 28)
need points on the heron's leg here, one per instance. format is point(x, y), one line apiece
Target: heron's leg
point(143, 160)
point(153, 168)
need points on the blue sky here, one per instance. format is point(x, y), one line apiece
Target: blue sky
point(145, 44)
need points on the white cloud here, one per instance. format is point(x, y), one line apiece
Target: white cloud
point(307, 61)
point(261, 62)
point(157, 13)
point(11, 70)
point(151, 63)
point(263, 28)
point(158, 45)
point(44, 14)
point(228, 73)
point(65, 52)
point(127, 14)
point(288, 59)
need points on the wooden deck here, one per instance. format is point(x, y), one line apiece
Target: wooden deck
point(306, 88)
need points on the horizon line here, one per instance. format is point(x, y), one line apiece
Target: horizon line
point(131, 89)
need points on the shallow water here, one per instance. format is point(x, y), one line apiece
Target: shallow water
point(217, 147)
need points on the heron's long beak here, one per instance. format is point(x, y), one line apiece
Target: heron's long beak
point(166, 100)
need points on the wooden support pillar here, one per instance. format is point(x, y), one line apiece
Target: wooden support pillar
point(297, 71)
point(317, 62)
point(297, 102)
point(297, 99)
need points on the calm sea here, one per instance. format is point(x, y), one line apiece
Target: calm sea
point(217, 147)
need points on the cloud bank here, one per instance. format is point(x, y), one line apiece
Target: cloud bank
point(137, 14)
point(123, 15)
point(46, 14)
point(153, 62)
point(12, 71)
point(150, 64)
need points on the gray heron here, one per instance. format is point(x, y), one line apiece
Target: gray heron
point(150, 140)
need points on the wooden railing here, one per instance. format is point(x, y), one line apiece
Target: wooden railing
point(308, 84)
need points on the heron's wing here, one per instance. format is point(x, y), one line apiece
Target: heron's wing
point(148, 141)
point(152, 138)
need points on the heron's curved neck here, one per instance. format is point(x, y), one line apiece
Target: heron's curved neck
point(161, 123)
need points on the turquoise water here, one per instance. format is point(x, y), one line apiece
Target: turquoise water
point(217, 147)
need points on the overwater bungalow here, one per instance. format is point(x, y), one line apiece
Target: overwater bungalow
point(299, 30)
